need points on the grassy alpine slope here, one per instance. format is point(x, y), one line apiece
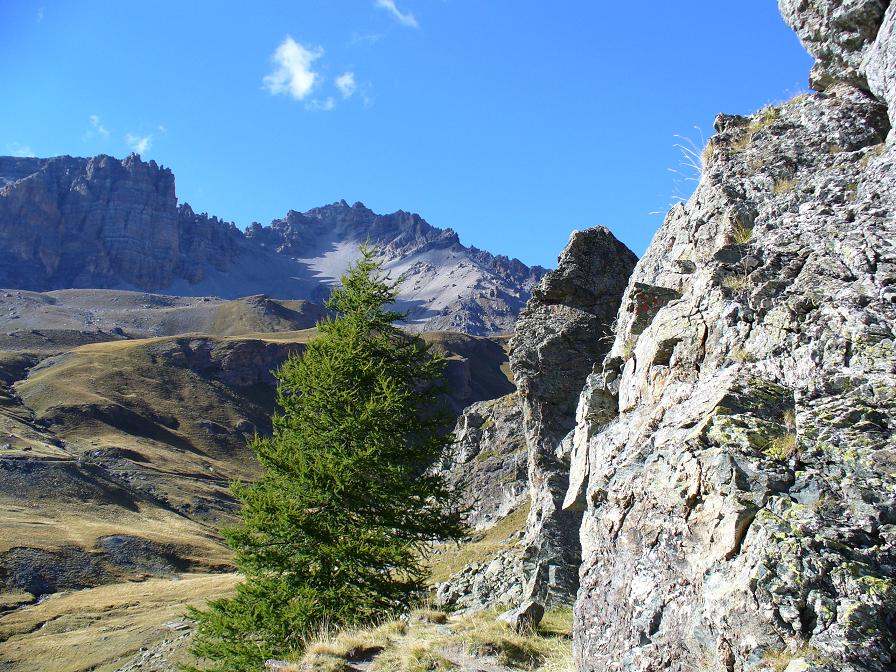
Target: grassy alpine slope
point(115, 460)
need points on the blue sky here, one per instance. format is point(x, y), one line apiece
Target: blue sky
point(511, 121)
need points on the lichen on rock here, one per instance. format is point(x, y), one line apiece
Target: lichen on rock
point(734, 453)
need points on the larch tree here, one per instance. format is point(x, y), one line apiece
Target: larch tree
point(335, 531)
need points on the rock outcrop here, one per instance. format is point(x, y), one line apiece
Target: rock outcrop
point(107, 223)
point(734, 453)
point(487, 463)
point(101, 222)
point(563, 331)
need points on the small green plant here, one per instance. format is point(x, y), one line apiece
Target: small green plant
point(781, 447)
point(834, 148)
point(736, 283)
point(784, 185)
point(741, 234)
point(870, 155)
point(852, 191)
point(708, 152)
point(742, 355)
point(628, 348)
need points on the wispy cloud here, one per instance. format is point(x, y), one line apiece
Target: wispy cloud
point(16, 149)
point(321, 105)
point(364, 39)
point(138, 143)
point(404, 18)
point(40, 14)
point(293, 74)
point(96, 127)
point(346, 84)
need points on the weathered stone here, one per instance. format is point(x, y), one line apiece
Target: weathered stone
point(837, 33)
point(561, 333)
point(487, 464)
point(735, 453)
point(524, 617)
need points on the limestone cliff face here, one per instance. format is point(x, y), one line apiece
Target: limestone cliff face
point(515, 451)
point(104, 223)
point(734, 454)
point(101, 222)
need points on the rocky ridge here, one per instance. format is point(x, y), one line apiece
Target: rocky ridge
point(734, 452)
point(116, 224)
point(563, 331)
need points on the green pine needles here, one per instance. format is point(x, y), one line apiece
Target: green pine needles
point(335, 531)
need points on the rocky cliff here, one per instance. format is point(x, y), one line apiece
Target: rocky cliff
point(563, 331)
point(104, 223)
point(734, 453)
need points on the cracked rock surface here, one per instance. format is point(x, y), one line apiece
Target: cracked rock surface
point(734, 455)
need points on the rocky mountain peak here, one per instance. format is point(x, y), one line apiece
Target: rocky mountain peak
point(103, 222)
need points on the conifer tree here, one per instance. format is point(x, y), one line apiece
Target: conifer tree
point(335, 530)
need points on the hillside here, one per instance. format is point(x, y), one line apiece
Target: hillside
point(104, 223)
point(116, 455)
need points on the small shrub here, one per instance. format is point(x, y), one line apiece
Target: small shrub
point(781, 447)
point(736, 283)
point(741, 234)
point(742, 355)
point(430, 616)
point(852, 191)
point(784, 185)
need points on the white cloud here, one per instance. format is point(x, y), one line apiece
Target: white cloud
point(162, 129)
point(97, 127)
point(40, 14)
point(16, 149)
point(405, 19)
point(324, 105)
point(139, 144)
point(293, 75)
point(346, 84)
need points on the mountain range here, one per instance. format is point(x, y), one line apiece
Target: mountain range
point(105, 223)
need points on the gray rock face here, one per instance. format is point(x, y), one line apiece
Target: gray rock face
point(837, 34)
point(103, 223)
point(562, 332)
point(735, 454)
point(879, 63)
point(488, 461)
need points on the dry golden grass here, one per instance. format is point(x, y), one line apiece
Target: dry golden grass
point(448, 559)
point(784, 185)
point(100, 628)
point(419, 645)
